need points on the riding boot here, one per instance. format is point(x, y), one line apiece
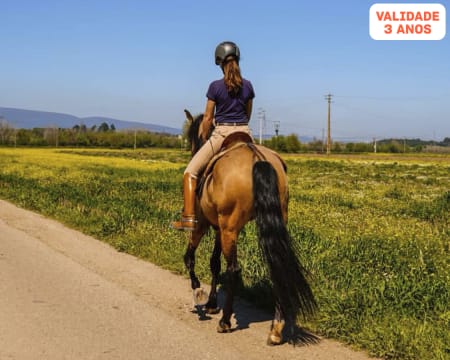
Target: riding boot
point(188, 220)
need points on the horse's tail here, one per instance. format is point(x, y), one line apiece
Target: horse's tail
point(291, 290)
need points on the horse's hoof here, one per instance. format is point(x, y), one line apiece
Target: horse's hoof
point(273, 340)
point(212, 311)
point(275, 335)
point(224, 327)
point(200, 297)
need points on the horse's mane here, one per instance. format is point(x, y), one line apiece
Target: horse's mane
point(193, 133)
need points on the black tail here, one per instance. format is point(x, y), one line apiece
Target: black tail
point(291, 289)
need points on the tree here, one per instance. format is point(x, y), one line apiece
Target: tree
point(104, 127)
point(51, 135)
point(23, 137)
point(316, 146)
point(350, 147)
point(293, 144)
point(5, 131)
point(336, 147)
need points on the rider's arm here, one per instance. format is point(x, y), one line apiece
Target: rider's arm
point(208, 117)
point(248, 108)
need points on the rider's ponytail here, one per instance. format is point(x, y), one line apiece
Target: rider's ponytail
point(232, 76)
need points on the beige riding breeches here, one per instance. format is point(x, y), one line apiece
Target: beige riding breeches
point(211, 147)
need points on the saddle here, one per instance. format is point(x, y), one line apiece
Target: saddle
point(236, 137)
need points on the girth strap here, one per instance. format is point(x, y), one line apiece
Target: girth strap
point(256, 152)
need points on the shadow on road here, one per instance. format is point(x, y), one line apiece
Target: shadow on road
point(246, 314)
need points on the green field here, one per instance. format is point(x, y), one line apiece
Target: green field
point(373, 231)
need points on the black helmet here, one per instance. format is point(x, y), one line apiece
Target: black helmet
point(224, 49)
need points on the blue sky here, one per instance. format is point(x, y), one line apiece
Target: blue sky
point(148, 60)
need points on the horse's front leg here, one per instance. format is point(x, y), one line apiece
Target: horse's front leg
point(229, 249)
point(200, 296)
point(211, 306)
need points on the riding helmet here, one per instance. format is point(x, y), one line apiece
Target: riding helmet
point(225, 49)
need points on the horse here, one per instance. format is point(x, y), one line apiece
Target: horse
point(248, 182)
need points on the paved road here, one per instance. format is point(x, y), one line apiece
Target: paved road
point(64, 295)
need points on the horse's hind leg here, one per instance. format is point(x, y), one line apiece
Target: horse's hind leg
point(276, 330)
point(211, 306)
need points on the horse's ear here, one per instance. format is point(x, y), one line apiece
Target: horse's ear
point(189, 116)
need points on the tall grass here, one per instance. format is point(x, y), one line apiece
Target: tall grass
point(374, 232)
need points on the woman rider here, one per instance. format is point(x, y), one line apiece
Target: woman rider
point(229, 105)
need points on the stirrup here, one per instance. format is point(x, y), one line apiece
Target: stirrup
point(186, 223)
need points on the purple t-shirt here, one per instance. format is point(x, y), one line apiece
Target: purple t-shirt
point(230, 108)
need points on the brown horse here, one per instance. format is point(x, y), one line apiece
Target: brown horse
point(248, 182)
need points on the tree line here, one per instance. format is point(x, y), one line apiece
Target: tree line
point(106, 135)
point(291, 144)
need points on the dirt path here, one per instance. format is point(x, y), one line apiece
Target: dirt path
point(64, 295)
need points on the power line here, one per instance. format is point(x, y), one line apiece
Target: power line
point(393, 98)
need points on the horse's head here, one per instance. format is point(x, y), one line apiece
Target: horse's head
point(196, 133)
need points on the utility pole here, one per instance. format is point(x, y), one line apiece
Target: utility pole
point(374, 145)
point(328, 98)
point(180, 137)
point(262, 119)
point(323, 138)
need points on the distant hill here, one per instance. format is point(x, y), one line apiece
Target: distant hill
point(29, 119)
